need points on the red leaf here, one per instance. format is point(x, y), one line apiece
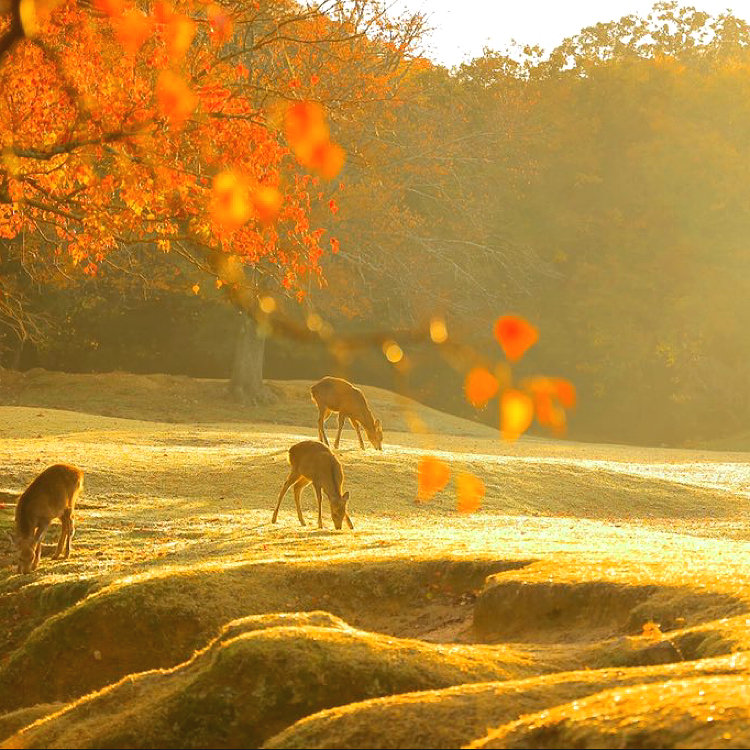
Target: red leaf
point(480, 386)
point(515, 335)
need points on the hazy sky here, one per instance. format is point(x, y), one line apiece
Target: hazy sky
point(463, 27)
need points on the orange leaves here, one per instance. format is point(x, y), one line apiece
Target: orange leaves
point(220, 24)
point(515, 335)
point(266, 202)
point(516, 413)
point(236, 200)
point(178, 33)
point(652, 631)
point(432, 476)
point(565, 392)
point(480, 386)
point(305, 124)
point(551, 397)
point(308, 135)
point(110, 7)
point(327, 159)
point(470, 492)
point(132, 28)
point(545, 396)
point(175, 99)
point(231, 200)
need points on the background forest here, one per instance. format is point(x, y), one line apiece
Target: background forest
point(601, 192)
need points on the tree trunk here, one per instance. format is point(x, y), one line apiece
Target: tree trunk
point(14, 362)
point(246, 384)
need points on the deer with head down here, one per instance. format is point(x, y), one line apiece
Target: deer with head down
point(339, 395)
point(51, 495)
point(313, 463)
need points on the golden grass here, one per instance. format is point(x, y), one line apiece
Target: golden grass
point(582, 544)
point(256, 678)
point(455, 716)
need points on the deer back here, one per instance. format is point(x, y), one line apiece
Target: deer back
point(337, 394)
point(47, 496)
point(315, 461)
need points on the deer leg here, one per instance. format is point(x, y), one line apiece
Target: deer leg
point(348, 521)
point(322, 416)
point(342, 419)
point(71, 534)
point(37, 542)
point(63, 543)
point(300, 485)
point(71, 525)
point(355, 425)
point(63, 535)
point(290, 480)
point(319, 493)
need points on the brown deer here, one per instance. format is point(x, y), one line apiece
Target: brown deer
point(51, 495)
point(337, 394)
point(313, 462)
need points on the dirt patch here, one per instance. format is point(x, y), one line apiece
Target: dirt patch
point(248, 685)
point(513, 610)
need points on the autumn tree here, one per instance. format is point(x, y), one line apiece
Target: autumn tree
point(159, 127)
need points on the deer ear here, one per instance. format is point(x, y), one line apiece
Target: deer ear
point(345, 496)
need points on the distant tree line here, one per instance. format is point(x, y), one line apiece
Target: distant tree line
point(601, 191)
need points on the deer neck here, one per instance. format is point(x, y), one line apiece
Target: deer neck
point(367, 418)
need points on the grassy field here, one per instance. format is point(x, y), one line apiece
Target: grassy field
point(184, 618)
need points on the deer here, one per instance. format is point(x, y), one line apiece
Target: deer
point(339, 395)
point(51, 495)
point(314, 463)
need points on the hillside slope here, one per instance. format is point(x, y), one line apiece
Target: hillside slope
point(546, 590)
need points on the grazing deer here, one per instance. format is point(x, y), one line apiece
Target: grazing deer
point(51, 495)
point(337, 394)
point(313, 462)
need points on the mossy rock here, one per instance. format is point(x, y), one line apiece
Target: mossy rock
point(14, 721)
point(689, 713)
point(250, 683)
point(456, 716)
point(158, 621)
